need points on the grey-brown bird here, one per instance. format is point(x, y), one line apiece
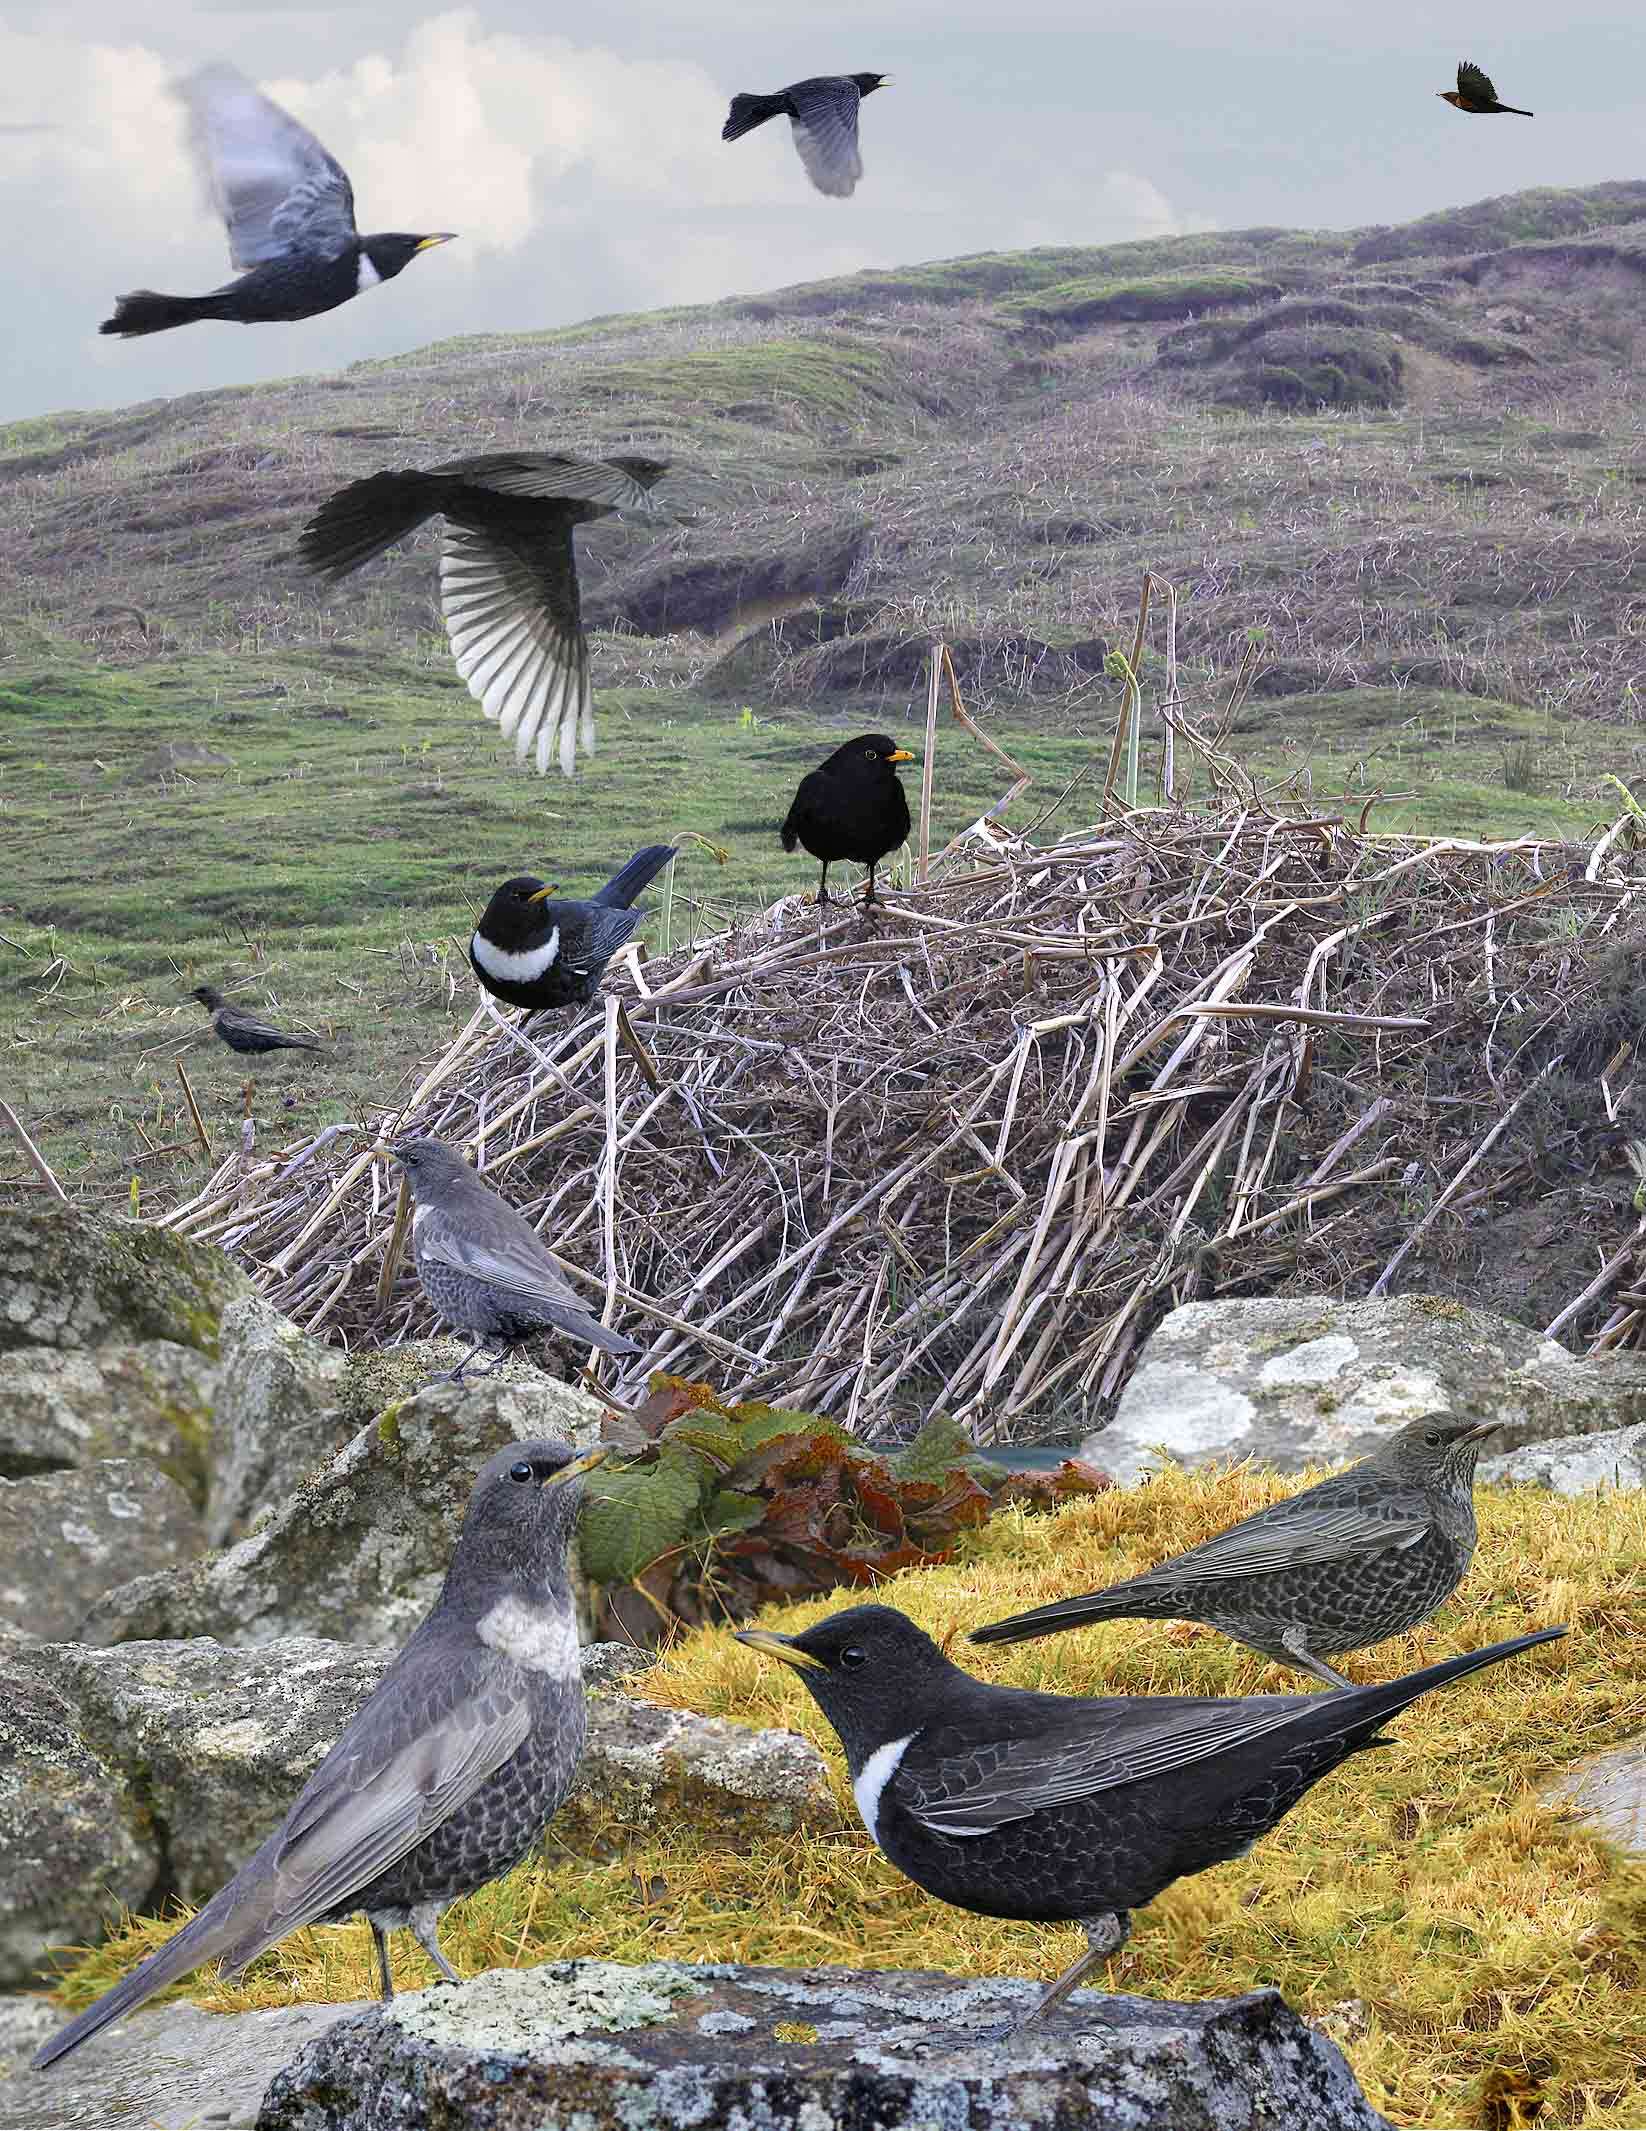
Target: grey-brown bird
point(508, 574)
point(484, 1268)
point(1364, 1555)
point(1474, 92)
point(243, 1032)
point(446, 1775)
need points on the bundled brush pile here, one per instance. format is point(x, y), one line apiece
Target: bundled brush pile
point(966, 1159)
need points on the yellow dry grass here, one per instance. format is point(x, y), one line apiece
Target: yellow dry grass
point(1480, 1956)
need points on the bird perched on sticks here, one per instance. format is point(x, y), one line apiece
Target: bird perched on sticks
point(508, 574)
point(1064, 1808)
point(852, 806)
point(243, 1032)
point(289, 210)
point(535, 950)
point(822, 114)
point(1367, 1554)
point(446, 1775)
point(1474, 92)
point(484, 1268)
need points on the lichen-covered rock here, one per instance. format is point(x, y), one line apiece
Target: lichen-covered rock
point(1300, 1379)
point(150, 1399)
point(725, 1779)
point(74, 1279)
point(74, 1846)
point(598, 2047)
point(1574, 1465)
point(359, 1551)
point(276, 1415)
point(1609, 1792)
point(67, 1537)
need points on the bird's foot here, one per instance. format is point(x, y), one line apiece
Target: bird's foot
point(1105, 1935)
point(1299, 1654)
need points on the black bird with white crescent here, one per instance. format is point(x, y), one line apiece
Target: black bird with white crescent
point(538, 949)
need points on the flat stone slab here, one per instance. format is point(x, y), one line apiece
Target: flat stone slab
point(1609, 1792)
point(593, 2046)
point(176, 2069)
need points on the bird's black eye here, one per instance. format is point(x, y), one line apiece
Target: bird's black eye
point(1433, 1437)
point(522, 1471)
point(871, 754)
point(851, 1658)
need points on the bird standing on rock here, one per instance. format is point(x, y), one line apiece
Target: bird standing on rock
point(532, 949)
point(484, 1268)
point(508, 574)
point(445, 1777)
point(822, 115)
point(289, 210)
point(243, 1032)
point(853, 806)
point(1065, 1808)
point(1474, 92)
point(1367, 1554)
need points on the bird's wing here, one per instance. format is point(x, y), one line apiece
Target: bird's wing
point(275, 186)
point(825, 134)
point(512, 1257)
point(958, 1786)
point(618, 484)
point(440, 1724)
point(1475, 85)
point(514, 618)
point(1298, 1534)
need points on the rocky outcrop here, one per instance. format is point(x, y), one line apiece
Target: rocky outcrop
point(1303, 1380)
point(606, 2048)
point(277, 1415)
point(1573, 1465)
point(67, 1537)
point(358, 1552)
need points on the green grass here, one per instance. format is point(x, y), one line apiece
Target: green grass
point(1071, 306)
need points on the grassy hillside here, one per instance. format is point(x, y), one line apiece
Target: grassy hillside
point(1400, 468)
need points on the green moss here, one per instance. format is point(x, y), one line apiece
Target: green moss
point(822, 375)
point(1073, 306)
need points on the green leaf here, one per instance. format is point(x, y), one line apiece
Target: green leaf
point(759, 1424)
point(941, 1447)
point(731, 1511)
point(633, 1517)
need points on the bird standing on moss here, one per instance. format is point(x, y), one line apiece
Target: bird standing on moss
point(851, 807)
point(1474, 92)
point(508, 574)
point(289, 210)
point(822, 114)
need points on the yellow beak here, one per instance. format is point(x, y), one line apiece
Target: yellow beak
point(445, 236)
point(543, 894)
point(586, 1463)
point(781, 1646)
point(900, 754)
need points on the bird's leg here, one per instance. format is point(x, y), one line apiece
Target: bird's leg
point(868, 894)
point(497, 1360)
point(1293, 1644)
point(425, 1924)
point(380, 1939)
point(823, 887)
point(1105, 1935)
point(455, 1376)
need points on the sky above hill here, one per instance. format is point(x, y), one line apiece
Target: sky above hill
point(578, 152)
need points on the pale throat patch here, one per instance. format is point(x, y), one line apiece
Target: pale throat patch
point(539, 1638)
point(523, 968)
point(873, 1777)
point(366, 277)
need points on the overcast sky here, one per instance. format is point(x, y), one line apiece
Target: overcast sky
point(577, 151)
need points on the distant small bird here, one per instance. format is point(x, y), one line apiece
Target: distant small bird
point(530, 949)
point(1064, 1808)
point(822, 112)
point(243, 1032)
point(484, 1268)
point(1474, 92)
point(1367, 1554)
point(289, 209)
point(445, 1776)
point(853, 806)
point(508, 574)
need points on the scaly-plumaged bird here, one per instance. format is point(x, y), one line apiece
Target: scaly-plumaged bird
point(1364, 1555)
point(484, 1268)
point(508, 574)
point(535, 948)
point(1068, 1808)
point(822, 114)
point(851, 807)
point(288, 207)
point(447, 1774)
point(1474, 92)
point(244, 1032)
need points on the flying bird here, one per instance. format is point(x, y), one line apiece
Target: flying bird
point(508, 574)
point(1071, 1808)
point(289, 210)
point(535, 949)
point(822, 113)
point(243, 1032)
point(1364, 1555)
point(851, 807)
point(447, 1774)
point(1474, 92)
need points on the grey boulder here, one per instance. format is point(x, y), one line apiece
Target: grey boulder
point(66, 1537)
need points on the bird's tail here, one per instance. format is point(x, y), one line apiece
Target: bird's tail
point(1358, 1711)
point(620, 891)
point(577, 1324)
point(747, 112)
point(789, 834)
point(147, 311)
point(1515, 111)
point(360, 521)
point(1125, 1601)
point(298, 1043)
point(199, 1941)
